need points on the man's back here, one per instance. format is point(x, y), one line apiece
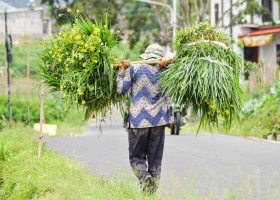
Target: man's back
point(149, 107)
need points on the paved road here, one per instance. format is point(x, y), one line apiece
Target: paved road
point(209, 164)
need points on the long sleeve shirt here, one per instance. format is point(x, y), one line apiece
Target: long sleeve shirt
point(149, 107)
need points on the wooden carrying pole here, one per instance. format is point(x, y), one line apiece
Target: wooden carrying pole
point(170, 60)
point(151, 61)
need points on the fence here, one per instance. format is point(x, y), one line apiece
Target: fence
point(22, 87)
point(263, 73)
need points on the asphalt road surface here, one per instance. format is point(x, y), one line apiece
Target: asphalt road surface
point(206, 165)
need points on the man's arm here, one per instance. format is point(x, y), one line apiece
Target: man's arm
point(124, 80)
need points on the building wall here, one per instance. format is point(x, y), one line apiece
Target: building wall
point(226, 18)
point(23, 23)
point(269, 51)
point(265, 52)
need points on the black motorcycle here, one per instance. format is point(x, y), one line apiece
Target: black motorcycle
point(177, 113)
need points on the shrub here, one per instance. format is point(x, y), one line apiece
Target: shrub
point(53, 109)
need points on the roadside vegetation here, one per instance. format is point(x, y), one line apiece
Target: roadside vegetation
point(54, 177)
point(261, 115)
point(23, 177)
point(20, 52)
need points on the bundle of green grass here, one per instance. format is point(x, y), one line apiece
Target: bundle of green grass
point(77, 63)
point(205, 75)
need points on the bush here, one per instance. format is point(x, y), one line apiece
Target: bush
point(53, 109)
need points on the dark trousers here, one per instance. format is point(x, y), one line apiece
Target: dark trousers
point(146, 151)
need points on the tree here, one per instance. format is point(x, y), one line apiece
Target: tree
point(95, 9)
point(251, 8)
point(139, 19)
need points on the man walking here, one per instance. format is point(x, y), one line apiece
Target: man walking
point(148, 115)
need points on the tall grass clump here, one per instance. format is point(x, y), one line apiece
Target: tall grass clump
point(205, 74)
point(78, 64)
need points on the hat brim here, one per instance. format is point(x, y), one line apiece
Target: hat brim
point(149, 56)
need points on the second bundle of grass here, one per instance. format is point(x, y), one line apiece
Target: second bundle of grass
point(205, 74)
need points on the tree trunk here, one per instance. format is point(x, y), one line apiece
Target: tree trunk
point(161, 23)
point(197, 10)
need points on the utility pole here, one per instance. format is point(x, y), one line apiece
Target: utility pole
point(9, 46)
point(230, 21)
point(174, 18)
point(173, 12)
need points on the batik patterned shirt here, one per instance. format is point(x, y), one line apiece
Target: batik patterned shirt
point(149, 107)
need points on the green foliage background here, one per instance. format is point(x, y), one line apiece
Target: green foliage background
point(53, 109)
point(18, 66)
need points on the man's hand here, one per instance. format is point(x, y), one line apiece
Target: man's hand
point(162, 64)
point(124, 66)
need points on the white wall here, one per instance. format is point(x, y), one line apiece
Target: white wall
point(257, 20)
point(265, 52)
point(269, 51)
point(23, 23)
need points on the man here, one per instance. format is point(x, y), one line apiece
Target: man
point(148, 115)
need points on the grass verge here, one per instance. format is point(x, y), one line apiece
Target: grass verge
point(54, 177)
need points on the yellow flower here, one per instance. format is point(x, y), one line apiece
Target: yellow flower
point(105, 26)
point(66, 65)
point(65, 109)
point(50, 51)
point(78, 37)
point(111, 65)
point(77, 11)
point(83, 102)
point(231, 106)
point(69, 10)
point(60, 15)
point(64, 86)
point(208, 113)
point(76, 101)
point(84, 65)
point(64, 95)
point(72, 61)
point(59, 60)
point(222, 118)
point(227, 112)
point(61, 87)
point(67, 69)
